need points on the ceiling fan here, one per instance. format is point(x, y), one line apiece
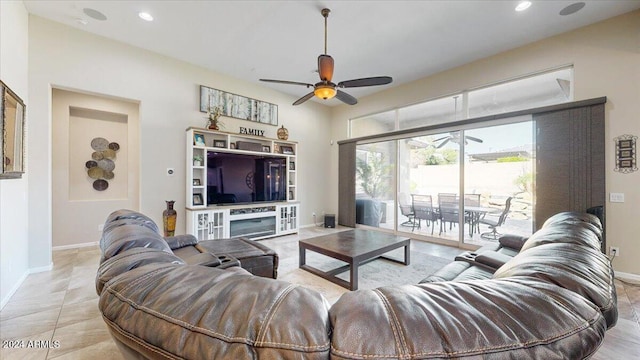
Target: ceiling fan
point(454, 137)
point(325, 89)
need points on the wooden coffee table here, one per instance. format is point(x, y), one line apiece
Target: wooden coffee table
point(355, 247)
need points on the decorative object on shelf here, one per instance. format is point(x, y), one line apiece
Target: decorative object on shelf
point(237, 106)
point(213, 115)
point(197, 160)
point(626, 154)
point(292, 165)
point(196, 182)
point(220, 143)
point(283, 133)
point(266, 148)
point(197, 199)
point(100, 169)
point(232, 145)
point(287, 150)
point(198, 140)
point(169, 216)
point(12, 113)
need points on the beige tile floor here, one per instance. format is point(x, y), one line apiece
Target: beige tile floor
point(55, 313)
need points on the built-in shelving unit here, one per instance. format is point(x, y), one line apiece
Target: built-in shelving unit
point(253, 220)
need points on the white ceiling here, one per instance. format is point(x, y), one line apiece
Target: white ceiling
point(250, 40)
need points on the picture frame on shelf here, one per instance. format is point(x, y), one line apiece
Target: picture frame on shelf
point(287, 150)
point(220, 143)
point(292, 165)
point(197, 199)
point(196, 182)
point(266, 148)
point(198, 140)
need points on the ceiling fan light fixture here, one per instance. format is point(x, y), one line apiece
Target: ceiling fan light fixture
point(325, 92)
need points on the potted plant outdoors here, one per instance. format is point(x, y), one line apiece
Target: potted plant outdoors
point(197, 160)
point(374, 175)
point(213, 115)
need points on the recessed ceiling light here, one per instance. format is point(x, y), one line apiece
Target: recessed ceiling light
point(523, 5)
point(94, 14)
point(571, 9)
point(145, 16)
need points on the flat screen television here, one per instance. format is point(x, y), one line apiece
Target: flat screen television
point(234, 178)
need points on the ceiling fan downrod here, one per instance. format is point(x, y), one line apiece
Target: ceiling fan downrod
point(325, 13)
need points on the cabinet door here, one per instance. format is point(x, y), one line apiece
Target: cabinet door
point(216, 226)
point(287, 219)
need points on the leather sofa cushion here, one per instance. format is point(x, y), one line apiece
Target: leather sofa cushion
point(583, 270)
point(585, 220)
point(563, 233)
point(500, 319)
point(126, 216)
point(227, 314)
point(458, 271)
point(125, 237)
point(129, 260)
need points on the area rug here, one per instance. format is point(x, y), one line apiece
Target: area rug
point(374, 274)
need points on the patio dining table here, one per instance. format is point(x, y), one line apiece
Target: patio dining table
point(475, 213)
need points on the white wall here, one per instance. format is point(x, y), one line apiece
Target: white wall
point(14, 51)
point(606, 62)
point(168, 93)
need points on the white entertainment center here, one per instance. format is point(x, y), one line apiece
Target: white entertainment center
point(213, 214)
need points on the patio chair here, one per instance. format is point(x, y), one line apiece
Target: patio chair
point(471, 218)
point(407, 210)
point(495, 224)
point(423, 210)
point(449, 210)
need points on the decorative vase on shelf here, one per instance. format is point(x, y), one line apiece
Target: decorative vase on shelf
point(169, 216)
point(283, 133)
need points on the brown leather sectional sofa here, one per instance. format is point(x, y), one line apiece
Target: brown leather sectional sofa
point(550, 296)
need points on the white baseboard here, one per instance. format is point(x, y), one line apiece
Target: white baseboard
point(75, 246)
point(41, 269)
point(634, 278)
point(13, 290)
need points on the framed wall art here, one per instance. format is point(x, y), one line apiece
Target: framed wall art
point(625, 153)
point(238, 106)
point(12, 114)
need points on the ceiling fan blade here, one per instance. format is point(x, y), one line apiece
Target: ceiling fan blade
point(287, 82)
point(304, 98)
point(473, 139)
point(325, 67)
point(442, 144)
point(371, 81)
point(442, 138)
point(346, 98)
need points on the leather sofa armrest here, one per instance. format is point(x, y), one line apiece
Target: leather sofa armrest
point(493, 259)
point(210, 260)
point(204, 259)
point(512, 241)
point(180, 241)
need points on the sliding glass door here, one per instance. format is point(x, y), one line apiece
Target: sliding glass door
point(452, 186)
point(498, 176)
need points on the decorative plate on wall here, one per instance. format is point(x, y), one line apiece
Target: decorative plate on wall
point(99, 144)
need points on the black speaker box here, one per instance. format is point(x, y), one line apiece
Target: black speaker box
point(330, 221)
